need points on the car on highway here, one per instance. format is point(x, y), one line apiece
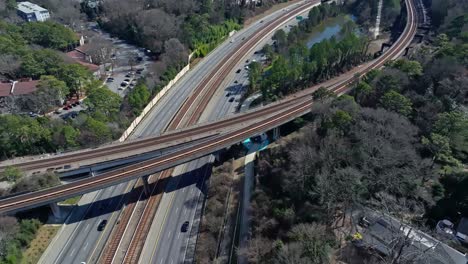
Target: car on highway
point(102, 225)
point(231, 99)
point(238, 70)
point(228, 94)
point(236, 81)
point(247, 61)
point(185, 226)
point(109, 80)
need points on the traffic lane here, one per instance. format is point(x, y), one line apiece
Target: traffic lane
point(71, 241)
point(182, 89)
point(179, 212)
point(190, 199)
point(87, 234)
point(175, 250)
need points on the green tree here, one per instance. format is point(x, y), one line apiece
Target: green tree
point(70, 135)
point(75, 76)
point(95, 132)
point(439, 146)
point(396, 102)
point(49, 34)
point(50, 92)
point(412, 68)
point(255, 71)
point(104, 101)
point(139, 97)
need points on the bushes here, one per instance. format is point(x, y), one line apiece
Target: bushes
point(19, 240)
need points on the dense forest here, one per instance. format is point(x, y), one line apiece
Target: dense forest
point(398, 144)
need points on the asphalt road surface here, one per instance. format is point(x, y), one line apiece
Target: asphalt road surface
point(79, 240)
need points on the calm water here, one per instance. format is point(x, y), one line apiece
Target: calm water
point(328, 29)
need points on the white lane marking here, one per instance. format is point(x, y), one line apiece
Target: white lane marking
point(87, 226)
point(85, 246)
point(185, 211)
point(183, 190)
point(160, 262)
point(177, 209)
point(73, 251)
point(178, 235)
point(169, 234)
point(172, 261)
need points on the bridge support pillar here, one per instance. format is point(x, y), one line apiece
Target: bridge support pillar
point(146, 187)
point(276, 133)
point(56, 212)
point(216, 156)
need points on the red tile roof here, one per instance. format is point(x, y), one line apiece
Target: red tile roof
point(18, 88)
point(25, 87)
point(80, 58)
point(5, 89)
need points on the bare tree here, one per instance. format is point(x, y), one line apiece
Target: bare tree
point(8, 226)
point(9, 65)
point(99, 49)
point(175, 53)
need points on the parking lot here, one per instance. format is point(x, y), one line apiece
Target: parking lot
point(129, 63)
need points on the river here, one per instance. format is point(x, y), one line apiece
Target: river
point(329, 28)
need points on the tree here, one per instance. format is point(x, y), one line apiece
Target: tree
point(440, 148)
point(104, 101)
point(255, 70)
point(49, 34)
point(316, 240)
point(75, 76)
point(100, 50)
point(50, 92)
point(139, 97)
point(396, 102)
point(9, 65)
point(94, 132)
point(412, 68)
point(175, 53)
point(281, 40)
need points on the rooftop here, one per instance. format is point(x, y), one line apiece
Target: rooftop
point(28, 7)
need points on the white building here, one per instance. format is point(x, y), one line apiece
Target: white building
point(32, 12)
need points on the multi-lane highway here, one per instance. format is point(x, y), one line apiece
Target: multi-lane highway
point(81, 240)
point(337, 85)
point(73, 250)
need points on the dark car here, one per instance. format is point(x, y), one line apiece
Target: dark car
point(236, 81)
point(185, 226)
point(110, 80)
point(231, 99)
point(124, 84)
point(239, 70)
point(228, 94)
point(102, 225)
point(247, 61)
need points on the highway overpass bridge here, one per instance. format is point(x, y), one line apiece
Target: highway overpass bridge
point(257, 121)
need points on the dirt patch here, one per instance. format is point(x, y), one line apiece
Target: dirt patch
point(376, 45)
point(44, 236)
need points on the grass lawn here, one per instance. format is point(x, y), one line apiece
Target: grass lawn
point(71, 201)
point(45, 234)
